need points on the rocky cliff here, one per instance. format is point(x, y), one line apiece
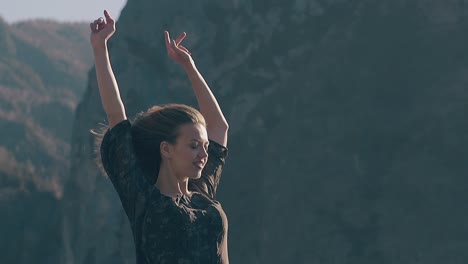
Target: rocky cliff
point(43, 67)
point(348, 138)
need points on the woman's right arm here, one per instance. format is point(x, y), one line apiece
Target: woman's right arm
point(101, 31)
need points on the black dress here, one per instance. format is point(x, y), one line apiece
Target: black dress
point(165, 229)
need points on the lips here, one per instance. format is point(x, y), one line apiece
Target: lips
point(199, 164)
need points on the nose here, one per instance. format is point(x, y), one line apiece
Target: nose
point(203, 153)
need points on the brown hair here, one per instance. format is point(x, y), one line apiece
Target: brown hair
point(158, 124)
point(150, 128)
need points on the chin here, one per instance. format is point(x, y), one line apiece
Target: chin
point(195, 176)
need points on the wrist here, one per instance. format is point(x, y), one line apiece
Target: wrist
point(99, 46)
point(189, 65)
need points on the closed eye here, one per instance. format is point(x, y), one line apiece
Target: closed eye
point(195, 143)
point(205, 147)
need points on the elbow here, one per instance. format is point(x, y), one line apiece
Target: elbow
point(220, 128)
point(218, 124)
point(115, 117)
point(224, 125)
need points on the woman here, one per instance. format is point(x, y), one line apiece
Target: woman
point(166, 164)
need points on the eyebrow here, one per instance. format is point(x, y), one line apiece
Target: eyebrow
point(201, 141)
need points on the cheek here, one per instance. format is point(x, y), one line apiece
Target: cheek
point(186, 162)
point(187, 155)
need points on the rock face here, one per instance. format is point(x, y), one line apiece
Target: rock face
point(43, 67)
point(348, 133)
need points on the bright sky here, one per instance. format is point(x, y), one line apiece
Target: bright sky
point(61, 10)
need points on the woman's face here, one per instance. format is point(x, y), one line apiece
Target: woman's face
point(189, 153)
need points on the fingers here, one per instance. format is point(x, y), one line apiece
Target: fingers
point(98, 21)
point(174, 45)
point(177, 41)
point(94, 25)
point(185, 49)
point(97, 24)
point(109, 19)
point(179, 48)
point(168, 39)
point(180, 38)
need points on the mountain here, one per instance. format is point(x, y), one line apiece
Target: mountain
point(43, 71)
point(348, 133)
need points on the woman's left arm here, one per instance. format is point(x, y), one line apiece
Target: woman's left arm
point(217, 126)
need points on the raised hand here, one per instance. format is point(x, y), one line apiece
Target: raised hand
point(102, 30)
point(177, 52)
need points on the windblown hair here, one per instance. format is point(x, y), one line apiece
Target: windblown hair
point(159, 123)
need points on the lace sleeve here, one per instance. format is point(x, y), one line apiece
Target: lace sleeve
point(120, 164)
point(211, 174)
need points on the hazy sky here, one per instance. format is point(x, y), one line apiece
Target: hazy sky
point(61, 10)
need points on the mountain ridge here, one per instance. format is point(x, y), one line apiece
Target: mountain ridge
point(43, 68)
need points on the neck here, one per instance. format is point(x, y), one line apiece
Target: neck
point(169, 184)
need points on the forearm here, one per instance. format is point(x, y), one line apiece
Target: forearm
point(207, 102)
point(108, 88)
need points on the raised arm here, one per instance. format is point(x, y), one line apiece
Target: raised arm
point(101, 31)
point(217, 126)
